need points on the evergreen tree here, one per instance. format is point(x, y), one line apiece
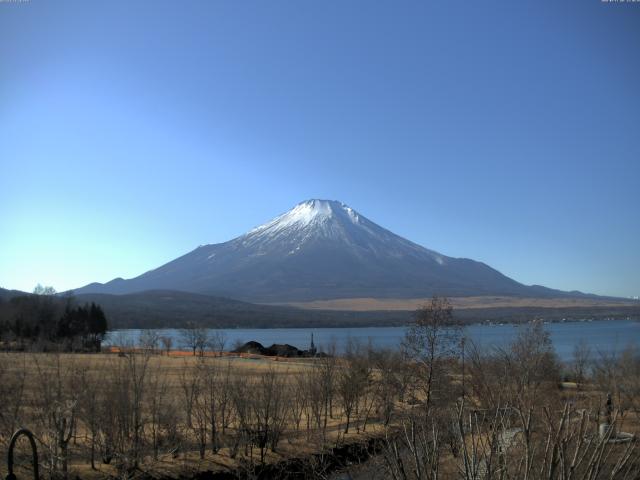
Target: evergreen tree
point(53, 319)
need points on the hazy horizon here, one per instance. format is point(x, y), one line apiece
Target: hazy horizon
point(131, 133)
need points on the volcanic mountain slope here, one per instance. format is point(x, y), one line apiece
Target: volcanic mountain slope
point(322, 249)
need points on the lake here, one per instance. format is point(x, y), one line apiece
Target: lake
point(600, 335)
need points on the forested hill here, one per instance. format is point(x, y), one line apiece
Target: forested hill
point(166, 309)
point(174, 309)
point(6, 295)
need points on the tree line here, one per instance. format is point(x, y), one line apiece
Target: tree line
point(44, 320)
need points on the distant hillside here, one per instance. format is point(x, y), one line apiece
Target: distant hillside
point(7, 294)
point(165, 308)
point(463, 303)
point(173, 309)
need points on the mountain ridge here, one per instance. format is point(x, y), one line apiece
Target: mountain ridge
point(321, 250)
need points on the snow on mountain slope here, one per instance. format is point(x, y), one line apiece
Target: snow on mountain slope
point(329, 221)
point(320, 249)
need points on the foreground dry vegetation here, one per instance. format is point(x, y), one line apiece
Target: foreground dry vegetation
point(140, 412)
point(439, 408)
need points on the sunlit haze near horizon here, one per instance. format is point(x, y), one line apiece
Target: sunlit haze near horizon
point(132, 132)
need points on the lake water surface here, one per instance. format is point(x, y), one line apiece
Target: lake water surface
point(600, 335)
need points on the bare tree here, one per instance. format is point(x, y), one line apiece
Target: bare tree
point(89, 408)
point(389, 386)
point(224, 397)
point(353, 380)
point(189, 385)
point(316, 395)
point(240, 391)
point(167, 343)
point(620, 374)
point(149, 340)
point(195, 338)
point(487, 376)
point(580, 364)
point(430, 341)
point(157, 406)
point(415, 452)
point(562, 448)
point(137, 366)
point(213, 400)
point(56, 408)
point(217, 341)
point(123, 412)
point(268, 411)
point(325, 386)
point(201, 408)
point(299, 398)
point(531, 366)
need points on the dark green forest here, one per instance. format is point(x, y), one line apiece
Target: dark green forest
point(45, 321)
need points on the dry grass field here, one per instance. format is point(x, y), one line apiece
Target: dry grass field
point(172, 403)
point(459, 303)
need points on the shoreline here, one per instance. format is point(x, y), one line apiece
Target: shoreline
point(633, 318)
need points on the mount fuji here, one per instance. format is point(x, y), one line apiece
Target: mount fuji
point(322, 249)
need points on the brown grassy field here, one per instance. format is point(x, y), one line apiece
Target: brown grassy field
point(54, 380)
point(148, 414)
point(459, 303)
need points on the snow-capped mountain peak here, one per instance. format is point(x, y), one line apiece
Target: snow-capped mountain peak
point(309, 212)
point(324, 221)
point(319, 249)
point(329, 225)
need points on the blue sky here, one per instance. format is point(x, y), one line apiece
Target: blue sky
point(506, 132)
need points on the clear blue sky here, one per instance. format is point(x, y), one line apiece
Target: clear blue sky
point(507, 132)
